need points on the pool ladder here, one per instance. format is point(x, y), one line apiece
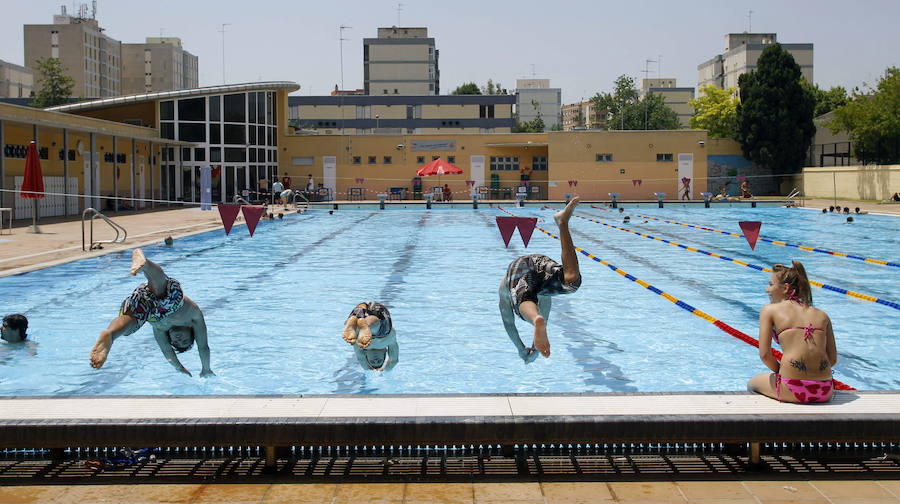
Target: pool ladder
point(297, 204)
point(92, 213)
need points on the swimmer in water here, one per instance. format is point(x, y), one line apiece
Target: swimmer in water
point(530, 281)
point(176, 320)
point(370, 330)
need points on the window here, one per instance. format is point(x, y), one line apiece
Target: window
point(167, 111)
point(363, 111)
point(395, 91)
point(420, 159)
point(357, 159)
point(192, 132)
point(252, 155)
point(451, 159)
point(235, 155)
point(486, 111)
point(539, 163)
point(373, 159)
point(413, 111)
point(604, 158)
point(664, 157)
point(252, 139)
point(192, 109)
point(167, 130)
point(385, 91)
point(302, 161)
point(215, 154)
point(387, 160)
point(235, 108)
point(234, 134)
point(215, 112)
point(215, 133)
point(185, 154)
point(251, 107)
point(504, 163)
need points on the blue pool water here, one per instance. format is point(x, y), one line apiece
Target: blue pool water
point(275, 304)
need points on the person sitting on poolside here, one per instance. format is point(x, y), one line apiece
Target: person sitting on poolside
point(896, 196)
point(447, 195)
point(846, 210)
point(370, 330)
point(176, 320)
point(14, 329)
point(530, 281)
point(860, 212)
point(806, 338)
point(745, 189)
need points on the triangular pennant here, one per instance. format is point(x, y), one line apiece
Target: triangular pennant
point(526, 228)
point(640, 181)
point(507, 226)
point(751, 231)
point(252, 213)
point(633, 182)
point(228, 212)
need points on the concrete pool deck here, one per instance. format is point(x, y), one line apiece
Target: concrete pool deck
point(60, 240)
point(699, 492)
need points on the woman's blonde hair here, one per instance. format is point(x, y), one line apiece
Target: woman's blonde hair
point(795, 276)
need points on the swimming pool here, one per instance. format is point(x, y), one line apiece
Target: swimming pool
point(275, 304)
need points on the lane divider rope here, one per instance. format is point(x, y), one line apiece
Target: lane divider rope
point(838, 385)
point(832, 288)
point(775, 242)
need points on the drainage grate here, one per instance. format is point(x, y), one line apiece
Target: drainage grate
point(410, 463)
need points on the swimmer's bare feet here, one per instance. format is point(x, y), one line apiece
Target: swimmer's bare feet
point(563, 216)
point(101, 350)
point(138, 261)
point(541, 343)
point(365, 333)
point(349, 333)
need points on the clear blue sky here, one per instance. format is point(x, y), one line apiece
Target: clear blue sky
point(582, 46)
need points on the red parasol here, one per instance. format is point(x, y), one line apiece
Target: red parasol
point(33, 185)
point(438, 167)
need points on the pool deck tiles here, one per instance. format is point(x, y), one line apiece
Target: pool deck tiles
point(731, 492)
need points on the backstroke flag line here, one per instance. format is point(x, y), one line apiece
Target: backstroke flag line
point(751, 232)
point(252, 213)
point(229, 213)
point(507, 226)
point(526, 228)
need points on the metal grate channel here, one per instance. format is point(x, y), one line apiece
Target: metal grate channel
point(455, 463)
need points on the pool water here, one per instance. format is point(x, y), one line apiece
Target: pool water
point(275, 305)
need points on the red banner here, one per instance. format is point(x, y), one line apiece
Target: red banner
point(252, 215)
point(507, 226)
point(526, 228)
point(228, 213)
point(751, 232)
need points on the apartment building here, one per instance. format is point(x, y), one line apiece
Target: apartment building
point(16, 81)
point(401, 61)
point(742, 51)
point(676, 98)
point(159, 64)
point(535, 97)
point(582, 115)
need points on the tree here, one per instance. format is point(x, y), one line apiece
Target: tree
point(715, 111)
point(872, 121)
point(826, 101)
point(775, 115)
point(493, 89)
point(55, 87)
point(627, 111)
point(469, 88)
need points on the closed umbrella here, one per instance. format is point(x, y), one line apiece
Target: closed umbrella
point(33, 185)
point(438, 167)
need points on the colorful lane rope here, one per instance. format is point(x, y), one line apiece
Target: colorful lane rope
point(832, 288)
point(775, 242)
point(838, 385)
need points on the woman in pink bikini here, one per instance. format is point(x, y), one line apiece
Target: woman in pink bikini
point(805, 336)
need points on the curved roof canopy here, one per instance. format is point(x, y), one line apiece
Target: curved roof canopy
point(181, 93)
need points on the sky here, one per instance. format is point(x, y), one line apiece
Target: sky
point(581, 46)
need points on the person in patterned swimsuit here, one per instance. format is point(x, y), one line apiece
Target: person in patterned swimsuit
point(176, 320)
point(530, 281)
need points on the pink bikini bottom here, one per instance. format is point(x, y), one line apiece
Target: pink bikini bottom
point(806, 391)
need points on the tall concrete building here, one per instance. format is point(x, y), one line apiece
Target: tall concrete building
point(742, 51)
point(401, 61)
point(89, 56)
point(535, 97)
point(582, 115)
point(15, 81)
point(159, 64)
point(676, 98)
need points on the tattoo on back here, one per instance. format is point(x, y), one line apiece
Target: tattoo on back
point(823, 365)
point(799, 365)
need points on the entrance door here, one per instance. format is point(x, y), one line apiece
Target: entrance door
point(476, 163)
point(329, 173)
point(685, 180)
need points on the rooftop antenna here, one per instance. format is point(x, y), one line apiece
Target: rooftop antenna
point(646, 70)
point(341, 40)
point(94, 9)
point(532, 71)
point(659, 65)
point(750, 21)
point(399, 10)
point(222, 31)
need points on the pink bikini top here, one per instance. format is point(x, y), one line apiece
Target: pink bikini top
point(807, 331)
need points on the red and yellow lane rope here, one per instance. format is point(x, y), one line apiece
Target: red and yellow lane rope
point(832, 288)
point(869, 260)
point(681, 304)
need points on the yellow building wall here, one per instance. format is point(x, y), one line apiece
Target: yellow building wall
point(450, 111)
point(572, 156)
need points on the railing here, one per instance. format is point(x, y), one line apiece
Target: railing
point(121, 232)
point(239, 199)
point(299, 196)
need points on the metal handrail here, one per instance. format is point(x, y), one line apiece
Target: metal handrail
point(121, 232)
point(239, 199)
point(304, 198)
